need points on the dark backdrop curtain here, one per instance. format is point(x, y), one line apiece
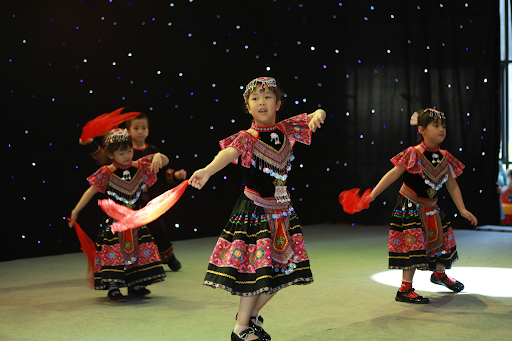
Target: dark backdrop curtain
point(369, 68)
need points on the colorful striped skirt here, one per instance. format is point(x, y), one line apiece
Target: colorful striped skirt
point(260, 250)
point(126, 258)
point(419, 235)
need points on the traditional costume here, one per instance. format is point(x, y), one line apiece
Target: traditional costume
point(261, 249)
point(420, 234)
point(96, 127)
point(128, 258)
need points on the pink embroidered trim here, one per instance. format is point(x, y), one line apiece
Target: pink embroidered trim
point(297, 129)
point(150, 177)
point(100, 179)
point(410, 159)
point(244, 143)
point(456, 167)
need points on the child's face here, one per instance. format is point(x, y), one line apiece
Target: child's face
point(123, 157)
point(263, 106)
point(434, 133)
point(139, 130)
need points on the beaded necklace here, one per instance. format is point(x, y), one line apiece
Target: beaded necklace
point(428, 149)
point(263, 129)
point(120, 166)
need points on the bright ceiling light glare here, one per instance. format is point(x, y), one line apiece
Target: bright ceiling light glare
point(475, 280)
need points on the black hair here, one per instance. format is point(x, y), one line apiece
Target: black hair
point(277, 92)
point(112, 147)
point(426, 116)
point(141, 116)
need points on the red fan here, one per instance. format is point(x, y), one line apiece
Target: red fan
point(88, 247)
point(102, 124)
point(351, 201)
point(129, 219)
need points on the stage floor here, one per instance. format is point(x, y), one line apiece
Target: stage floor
point(352, 297)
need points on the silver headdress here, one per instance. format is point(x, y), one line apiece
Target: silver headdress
point(266, 82)
point(116, 135)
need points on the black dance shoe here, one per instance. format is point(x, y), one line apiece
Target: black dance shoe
point(258, 330)
point(455, 287)
point(173, 263)
point(243, 335)
point(401, 296)
point(138, 292)
point(115, 296)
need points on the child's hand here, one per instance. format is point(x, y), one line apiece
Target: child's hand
point(317, 120)
point(157, 163)
point(74, 217)
point(181, 174)
point(469, 216)
point(199, 178)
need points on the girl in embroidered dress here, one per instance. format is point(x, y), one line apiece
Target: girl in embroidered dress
point(261, 250)
point(419, 235)
point(124, 259)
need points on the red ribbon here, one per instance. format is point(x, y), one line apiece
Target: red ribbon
point(127, 218)
point(89, 248)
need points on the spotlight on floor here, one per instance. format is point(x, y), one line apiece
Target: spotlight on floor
point(480, 281)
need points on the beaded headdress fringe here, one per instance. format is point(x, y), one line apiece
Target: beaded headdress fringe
point(116, 135)
point(266, 82)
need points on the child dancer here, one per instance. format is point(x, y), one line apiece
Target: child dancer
point(419, 236)
point(125, 259)
point(261, 250)
point(138, 128)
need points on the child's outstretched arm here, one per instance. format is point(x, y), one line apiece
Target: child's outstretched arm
point(453, 188)
point(223, 158)
point(387, 180)
point(159, 161)
point(316, 119)
point(93, 148)
point(91, 191)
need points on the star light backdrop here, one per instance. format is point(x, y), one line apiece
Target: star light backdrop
point(369, 64)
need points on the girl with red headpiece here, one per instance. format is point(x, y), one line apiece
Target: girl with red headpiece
point(419, 235)
point(261, 249)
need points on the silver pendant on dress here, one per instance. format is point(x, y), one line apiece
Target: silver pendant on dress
point(275, 137)
point(281, 194)
point(435, 158)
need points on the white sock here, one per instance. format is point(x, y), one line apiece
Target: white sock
point(238, 329)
